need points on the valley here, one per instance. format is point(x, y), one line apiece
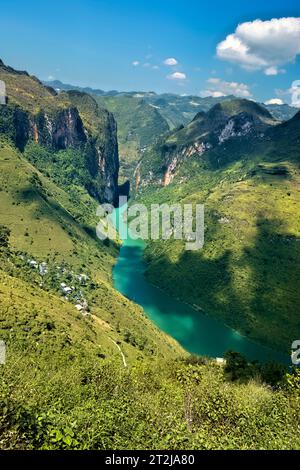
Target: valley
point(238, 161)
point(100, 357)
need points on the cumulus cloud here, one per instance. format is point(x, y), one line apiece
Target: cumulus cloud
point(171, 61)
point(179, 76)
point(274, 101)
point(217, 88)
point(262, 45)
point(293, 93)
point(135, 63)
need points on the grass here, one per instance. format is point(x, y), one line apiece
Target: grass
point(49, 226)
point(28, 92)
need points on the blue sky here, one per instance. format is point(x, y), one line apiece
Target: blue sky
point(96, 42)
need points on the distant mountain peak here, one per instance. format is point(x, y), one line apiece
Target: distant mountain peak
point(237, 105)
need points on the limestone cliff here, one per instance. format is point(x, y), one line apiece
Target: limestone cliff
point(60, 121)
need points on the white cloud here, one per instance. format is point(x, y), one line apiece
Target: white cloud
point(214, 80)
point(171, 61)
point(262, 45)
point(135, 63)
point(218, 88)
point(177, 76)
point(50, 77)
point(273, 71)
point(274, 101)
point(155, 67)
point(293, 92)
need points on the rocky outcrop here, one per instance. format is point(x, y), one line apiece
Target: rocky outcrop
point(208, 136)
point(64, 129)
point(59, 131)
point(107, 162)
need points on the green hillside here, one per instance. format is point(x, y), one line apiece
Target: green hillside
point(85, 368)
point(247, 273)
point(175, 109)
point(227, 132)
point(65, 384)
point(70, 121)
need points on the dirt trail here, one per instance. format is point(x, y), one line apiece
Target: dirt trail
point(121, 352)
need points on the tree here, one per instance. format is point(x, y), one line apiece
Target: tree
point(236, 365)
point(4, 236)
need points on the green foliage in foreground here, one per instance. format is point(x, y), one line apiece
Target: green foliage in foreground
point(71, 399)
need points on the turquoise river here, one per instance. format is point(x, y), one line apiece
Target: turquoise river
point(196, 332)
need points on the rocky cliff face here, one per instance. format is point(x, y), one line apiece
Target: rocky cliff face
point(101, 130)
point(107, 162)
point(59, 131)
point(212, 131)
point(38, 113)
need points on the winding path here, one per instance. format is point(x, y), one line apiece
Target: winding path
point(121, 352)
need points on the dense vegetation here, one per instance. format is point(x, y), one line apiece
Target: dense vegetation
point(73, 397)
point(64, 385)
point(85, 368)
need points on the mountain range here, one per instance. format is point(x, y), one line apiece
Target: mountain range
point(143, 117)
point(176, 109)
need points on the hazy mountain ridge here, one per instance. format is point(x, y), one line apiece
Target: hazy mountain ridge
point(176, 109)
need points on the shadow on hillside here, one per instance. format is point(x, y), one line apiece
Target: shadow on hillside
point(275, 265)
point(256, 293)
